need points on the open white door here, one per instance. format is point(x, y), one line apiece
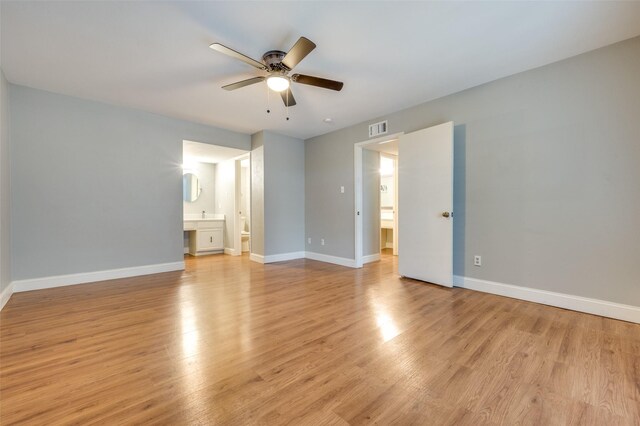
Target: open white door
point(425, 204)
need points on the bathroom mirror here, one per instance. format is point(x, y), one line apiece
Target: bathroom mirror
point(190, 187)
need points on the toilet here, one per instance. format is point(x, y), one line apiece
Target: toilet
point(245, 235)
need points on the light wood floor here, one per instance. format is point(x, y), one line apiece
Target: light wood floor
point(230, 341)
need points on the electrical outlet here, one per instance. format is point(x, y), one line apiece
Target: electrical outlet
point(309, 240)
point(322, 241)
point(477, 260)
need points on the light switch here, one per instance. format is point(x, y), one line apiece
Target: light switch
point(342, 189)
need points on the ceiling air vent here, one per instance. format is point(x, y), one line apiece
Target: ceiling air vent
point(376, 129)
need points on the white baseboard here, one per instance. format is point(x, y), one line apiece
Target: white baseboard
point(283, 256)
point(89, 277)
point(343, 261)
point(186, 250)
point(232, 252)
point(6, 295)
point(303, 255)
point(371, 258)
point(276, 257)
point(560, 300)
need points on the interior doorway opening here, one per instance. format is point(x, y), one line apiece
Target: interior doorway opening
point(424, 202)
point(216, 187)
point(389, 200)
point(376, 198)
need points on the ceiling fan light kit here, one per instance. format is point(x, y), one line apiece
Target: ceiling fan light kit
point(278, 64)
point(278, 83)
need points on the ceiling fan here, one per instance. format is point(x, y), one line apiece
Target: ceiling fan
point(278, 64)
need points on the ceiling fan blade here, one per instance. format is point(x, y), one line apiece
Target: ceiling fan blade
point(302, 48)
point(287, 98)
point(247, 82)
point(317, 81)
point(244, 58)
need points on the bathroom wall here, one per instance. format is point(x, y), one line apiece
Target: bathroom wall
point(206, 173)
point(225, 198)
point(545, 176)
point(386, 197)
point(96, 187)
point(257, 194)
point(370, 202)
point(245, 195)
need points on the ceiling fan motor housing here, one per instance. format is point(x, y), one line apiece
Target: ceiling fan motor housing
point(273, 60)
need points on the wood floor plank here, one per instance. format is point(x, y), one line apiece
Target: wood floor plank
point(229, 341)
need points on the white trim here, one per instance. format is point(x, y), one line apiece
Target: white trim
point(89, 277)
point(560, 300)
point(284, 256)
point(186, 250)
point(343, 261)
point(458, 281)
point(231, 251)
point(6, 295)
point(358, 202)
point(256, 257)
point(371, 258)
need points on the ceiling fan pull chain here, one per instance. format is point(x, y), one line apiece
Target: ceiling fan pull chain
point(268, 101)
point(288, 92)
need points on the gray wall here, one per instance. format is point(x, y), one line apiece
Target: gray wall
point(283, 194)
point(257, 193)
point(329, 214)
point(5, 189)
point(546, 176)
point(206, 173)
point(94, 186)
point(370, 202)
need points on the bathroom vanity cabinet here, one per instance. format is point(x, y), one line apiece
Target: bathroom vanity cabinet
point(206, 236)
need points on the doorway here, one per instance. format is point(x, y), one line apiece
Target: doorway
point(216, 199)
point(423, 211)
point(376, 197)
point(243, 195)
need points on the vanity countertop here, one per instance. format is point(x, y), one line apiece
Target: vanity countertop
point(207, 218)
point(198, 223)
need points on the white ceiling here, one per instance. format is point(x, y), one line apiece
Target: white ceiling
point(205, 153)
point(390, 55)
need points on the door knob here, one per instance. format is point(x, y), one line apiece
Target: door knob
point(445, 214)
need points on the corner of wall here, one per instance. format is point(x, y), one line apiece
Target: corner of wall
point(6, 288)
point(257, 194)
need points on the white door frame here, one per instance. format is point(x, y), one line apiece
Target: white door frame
point(357, 164)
